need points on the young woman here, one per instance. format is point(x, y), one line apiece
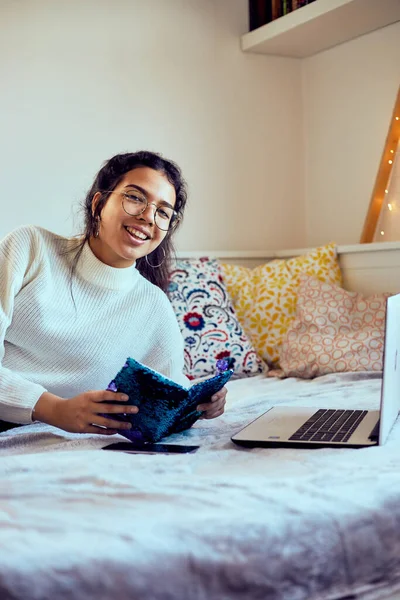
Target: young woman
point(72, 310)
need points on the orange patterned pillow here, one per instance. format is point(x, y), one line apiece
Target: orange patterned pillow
point(334, 331)
point(265, 298)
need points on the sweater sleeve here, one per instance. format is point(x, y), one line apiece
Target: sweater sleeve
point(175, 363)
point(19, 258)
point(168, 344)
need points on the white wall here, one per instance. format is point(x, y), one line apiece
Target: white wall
point(348, 95)
point(84, 79)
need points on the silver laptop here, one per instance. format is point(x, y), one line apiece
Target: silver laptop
point(311, 427)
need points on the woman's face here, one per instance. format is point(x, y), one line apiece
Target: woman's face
point(124, 238)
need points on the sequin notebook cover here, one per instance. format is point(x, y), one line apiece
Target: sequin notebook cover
point(165, 407)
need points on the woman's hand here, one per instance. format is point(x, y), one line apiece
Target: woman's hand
point(215, 407)
point(82, 413)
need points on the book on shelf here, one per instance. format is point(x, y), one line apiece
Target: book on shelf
point(260, 13)
point(265, 11)
point(276, 9)
point(288, 6)
point(301, 3)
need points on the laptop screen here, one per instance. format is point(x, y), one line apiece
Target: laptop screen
point(390, 395)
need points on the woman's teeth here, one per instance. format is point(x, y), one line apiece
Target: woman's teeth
point(136, 233)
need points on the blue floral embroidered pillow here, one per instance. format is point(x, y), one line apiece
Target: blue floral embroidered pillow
point(207, 320)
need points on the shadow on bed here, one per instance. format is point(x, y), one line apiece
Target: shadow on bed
point(5, 425)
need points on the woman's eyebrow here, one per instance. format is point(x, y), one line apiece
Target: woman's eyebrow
point(145, 193)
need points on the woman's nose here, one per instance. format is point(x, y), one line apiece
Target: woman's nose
point(149, 213)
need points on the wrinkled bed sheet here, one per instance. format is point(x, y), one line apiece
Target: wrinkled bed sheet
point(223, 523)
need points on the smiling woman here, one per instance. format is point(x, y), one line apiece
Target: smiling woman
point(72, 310)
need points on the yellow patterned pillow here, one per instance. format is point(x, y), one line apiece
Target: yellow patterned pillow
point(265, 298)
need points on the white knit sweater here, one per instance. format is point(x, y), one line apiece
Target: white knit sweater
point(48, 344)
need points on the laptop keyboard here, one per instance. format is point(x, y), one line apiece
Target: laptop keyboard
point(329, 425)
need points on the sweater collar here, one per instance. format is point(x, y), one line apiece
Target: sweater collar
point(94, 271)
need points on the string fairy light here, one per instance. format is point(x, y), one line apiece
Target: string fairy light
point(391, 205)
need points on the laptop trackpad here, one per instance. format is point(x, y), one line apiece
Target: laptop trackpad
point(276, 424)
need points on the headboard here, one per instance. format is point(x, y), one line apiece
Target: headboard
point(367, 268)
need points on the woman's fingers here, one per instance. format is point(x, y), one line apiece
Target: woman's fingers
point(110, 423)
point(219, 395)
point(211, 410)
point(116, 409)
point(104, 395)
point(210, 406)
point(214, 403)
point(100, 430)
point(213, 415)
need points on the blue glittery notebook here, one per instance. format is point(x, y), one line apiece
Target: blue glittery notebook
point(165, 407)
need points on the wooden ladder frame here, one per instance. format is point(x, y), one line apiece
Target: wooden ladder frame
point(382, 178)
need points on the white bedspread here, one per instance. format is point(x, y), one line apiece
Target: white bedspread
point(223, 523)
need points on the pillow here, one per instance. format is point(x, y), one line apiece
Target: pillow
point(265, 297)
point(208, 321)
point(334, 331)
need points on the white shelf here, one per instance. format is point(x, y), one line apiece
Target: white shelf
point(319, 26)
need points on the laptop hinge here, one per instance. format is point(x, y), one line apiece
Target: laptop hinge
point(374, 435)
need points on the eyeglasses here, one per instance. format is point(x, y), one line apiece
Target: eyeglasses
point(135, 204)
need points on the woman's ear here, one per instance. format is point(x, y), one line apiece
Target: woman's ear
point(95, 201)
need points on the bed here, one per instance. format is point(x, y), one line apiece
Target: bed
point(223, 523)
